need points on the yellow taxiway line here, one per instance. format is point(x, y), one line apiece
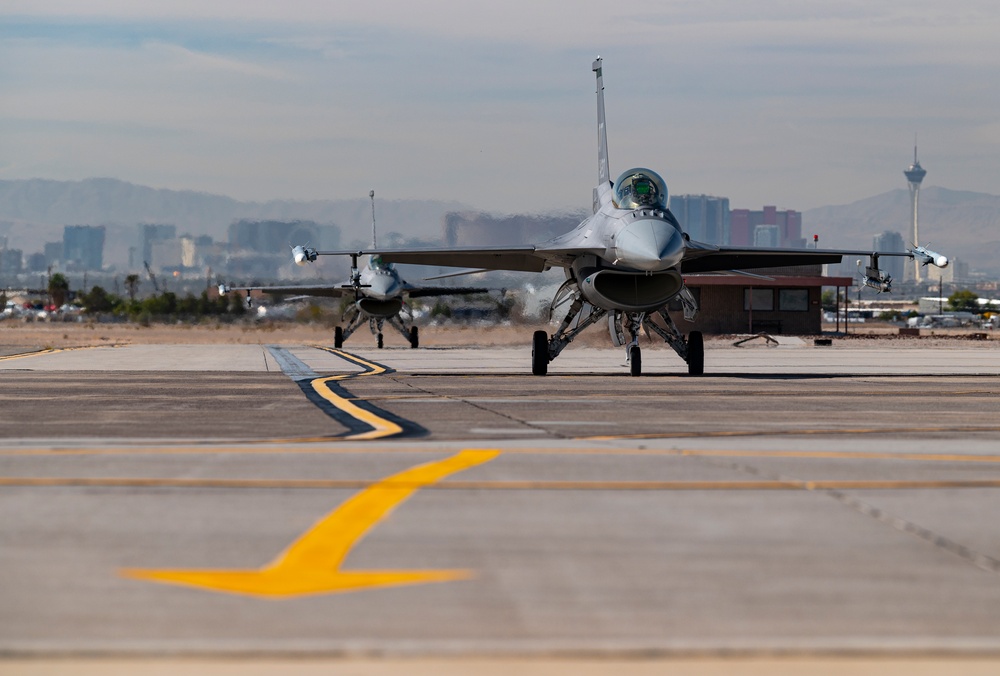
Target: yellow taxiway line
point(381, 427)
point(312, 564)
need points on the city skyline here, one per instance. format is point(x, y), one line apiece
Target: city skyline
point(809, 104)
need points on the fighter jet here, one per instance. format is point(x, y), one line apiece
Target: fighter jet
point(380, 295)
point(624, 263)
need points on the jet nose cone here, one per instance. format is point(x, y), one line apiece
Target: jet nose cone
point(383, 287)
point(649, 244)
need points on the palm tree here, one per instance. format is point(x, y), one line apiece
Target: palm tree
point(58, 289)
point(132, 284)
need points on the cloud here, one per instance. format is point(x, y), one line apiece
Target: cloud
point(788, 101)
point(176, 56)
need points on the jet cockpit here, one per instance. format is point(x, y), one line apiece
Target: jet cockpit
point(640, 188)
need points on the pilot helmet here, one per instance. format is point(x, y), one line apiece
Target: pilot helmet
point(639, 188)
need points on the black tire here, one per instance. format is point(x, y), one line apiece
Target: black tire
point(380, 342)
point(696, 354)
point(338, 337)
point(540, 353)
point(635, 361)
point(414, 337)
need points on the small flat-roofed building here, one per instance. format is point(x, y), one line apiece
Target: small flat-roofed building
point(787, 303)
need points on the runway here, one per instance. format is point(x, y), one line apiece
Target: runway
point(302, 501)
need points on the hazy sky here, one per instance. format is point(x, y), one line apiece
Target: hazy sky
point(786, 102)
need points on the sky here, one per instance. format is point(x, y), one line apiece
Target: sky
point(793, 103)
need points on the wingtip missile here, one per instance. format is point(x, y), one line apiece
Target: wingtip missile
point(926, 256)
point(223, 289)
point(303, 255)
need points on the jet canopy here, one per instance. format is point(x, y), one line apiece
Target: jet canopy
point(376, 263)
point(638, 188)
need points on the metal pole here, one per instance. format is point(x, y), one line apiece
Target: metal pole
point(838, 308)
point(941, 294)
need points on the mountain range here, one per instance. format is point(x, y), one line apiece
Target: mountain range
point(34, 211)
point(960, 224)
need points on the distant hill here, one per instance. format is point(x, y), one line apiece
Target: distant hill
point(34, 211)
point(958, 223)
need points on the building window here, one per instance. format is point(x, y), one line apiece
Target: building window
point(793, 300)
point(763, 300)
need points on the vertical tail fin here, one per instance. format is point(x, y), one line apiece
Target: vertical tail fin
point(603, 169)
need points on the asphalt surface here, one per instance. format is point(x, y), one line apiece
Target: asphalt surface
point(290, 502)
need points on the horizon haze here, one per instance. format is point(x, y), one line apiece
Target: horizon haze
point(765, 102)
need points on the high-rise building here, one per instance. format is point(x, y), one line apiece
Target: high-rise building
point(53, 252)
point(768, 235)
point(11, 261)
point(745, 222)
point(914, 177)
point(890, 241)
point(277, 236)
point(150, 234)
point(704, 217)
point(83, 246)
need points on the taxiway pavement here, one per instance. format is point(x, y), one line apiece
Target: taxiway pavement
point(289, 501)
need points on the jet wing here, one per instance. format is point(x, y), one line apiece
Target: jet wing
point(516, 258)
point(329, 291)
point(706, 258)
point(433, 291)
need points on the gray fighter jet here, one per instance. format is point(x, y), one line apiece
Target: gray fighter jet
point(380, 295)
point(627, 261)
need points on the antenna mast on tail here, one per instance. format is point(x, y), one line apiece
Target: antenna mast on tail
point(372, 195)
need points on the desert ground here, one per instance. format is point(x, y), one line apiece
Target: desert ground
point(40, 335)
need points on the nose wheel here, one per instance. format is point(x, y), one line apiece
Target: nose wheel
point(634, 360)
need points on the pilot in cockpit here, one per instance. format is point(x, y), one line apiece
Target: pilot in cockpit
point(376, 263)
point(638, 188)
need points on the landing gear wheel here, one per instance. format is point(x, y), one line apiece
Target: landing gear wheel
point(540, 353)
point(380, 341)
point(414, 337)
point(696, 353)
point(338, 337)
point(635, 360)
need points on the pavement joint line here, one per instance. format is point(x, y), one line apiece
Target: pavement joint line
point(479, 406)
point(394, 449)
point(792, 432)
point(502, 485)
point(978, 559)
point(836, 490)
point(53, 350)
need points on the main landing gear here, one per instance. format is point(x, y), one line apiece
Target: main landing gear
point(582, 314)
point(355, 319)
point(540, 353)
